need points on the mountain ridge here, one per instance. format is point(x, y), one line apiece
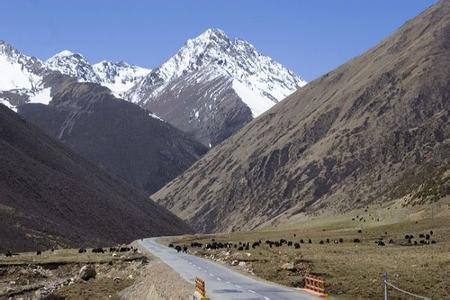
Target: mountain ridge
point(23, 77)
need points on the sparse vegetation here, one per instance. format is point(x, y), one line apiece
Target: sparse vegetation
point(350, 269)
point(57, 274)
point(426, 185)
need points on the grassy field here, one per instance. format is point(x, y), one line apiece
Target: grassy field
point(351, 270)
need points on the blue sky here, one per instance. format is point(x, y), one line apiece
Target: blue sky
point(310, 37)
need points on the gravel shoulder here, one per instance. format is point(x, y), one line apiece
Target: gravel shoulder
point(158, 281)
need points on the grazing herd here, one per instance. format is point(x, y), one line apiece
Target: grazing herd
point(179, 248)
point(425, 239)
point(111, 249)
point(83, 250)
point(245, 246)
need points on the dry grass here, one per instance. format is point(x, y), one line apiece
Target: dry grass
point(28, 275)
point(59, 256)
point(352, 270)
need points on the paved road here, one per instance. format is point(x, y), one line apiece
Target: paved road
point(221, 282)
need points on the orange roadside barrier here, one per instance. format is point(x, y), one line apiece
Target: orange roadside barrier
point(200, 289)
point(315, 285)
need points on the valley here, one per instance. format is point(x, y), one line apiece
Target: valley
point(206, 164)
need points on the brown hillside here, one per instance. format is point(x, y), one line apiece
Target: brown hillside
point(115, 134)
point(342, 141)
point(50, 196)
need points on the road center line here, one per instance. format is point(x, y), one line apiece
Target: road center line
point(251, 291)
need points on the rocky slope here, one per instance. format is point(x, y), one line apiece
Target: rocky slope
point(126, 140)
point(51, 196)
point(214, 85)
point(344, 140)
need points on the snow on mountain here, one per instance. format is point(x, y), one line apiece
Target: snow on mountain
point(119, 77)
point(21, 78)
point(7, 104)
point(219, 64)
point(74, 65)
point(257, 79)
point(18, 71)
point(41, 96)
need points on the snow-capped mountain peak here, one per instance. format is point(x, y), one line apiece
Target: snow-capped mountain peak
point(21, 78)
point(119, 77)
point(257, 79)
point(18, 71)
point(66, 53)
point(196, 53)
point(72, 64)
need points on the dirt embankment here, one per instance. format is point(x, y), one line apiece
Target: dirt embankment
point(118, 275)
point(159, 281)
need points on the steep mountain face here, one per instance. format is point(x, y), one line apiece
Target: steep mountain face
point(128, 141)
point(345, 140)
point(119, 77)
point(51, 196)
point(209, 73)
point(209, 122)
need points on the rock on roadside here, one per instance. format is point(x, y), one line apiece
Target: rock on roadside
point(87, 272)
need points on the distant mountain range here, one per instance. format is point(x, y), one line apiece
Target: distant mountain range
point(373, 130)
point(118, 77)
point(22, 77)
point(210, 88)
